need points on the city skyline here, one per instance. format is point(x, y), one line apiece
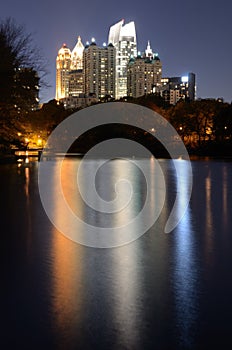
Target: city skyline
point(188, 37)
point(116, 70)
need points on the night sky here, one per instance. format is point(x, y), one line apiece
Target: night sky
point(190, 36)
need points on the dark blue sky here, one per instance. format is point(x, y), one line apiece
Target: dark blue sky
point(190, 36)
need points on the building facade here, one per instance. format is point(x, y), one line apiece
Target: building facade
point(77, 55)
point(80, 101)
point(176, 88)
point(69, 71)
point(123, 38)
point(76, 82)
point(99, 70)
point(63, 64)
point(144, 74)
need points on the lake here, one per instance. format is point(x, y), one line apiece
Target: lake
point(160, 291)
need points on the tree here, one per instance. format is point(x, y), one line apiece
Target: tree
point(181, 116)
point(223, 123)
point(22, 72)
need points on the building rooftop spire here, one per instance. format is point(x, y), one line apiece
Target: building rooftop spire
point(148, 51)
point(77, 55)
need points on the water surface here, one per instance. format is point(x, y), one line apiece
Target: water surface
point(162, 291)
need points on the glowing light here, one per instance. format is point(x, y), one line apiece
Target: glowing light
point(128, 30)
point(93, 40)
point(19, 134)
point(184, 79)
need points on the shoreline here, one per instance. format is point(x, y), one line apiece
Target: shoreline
point(12, 159)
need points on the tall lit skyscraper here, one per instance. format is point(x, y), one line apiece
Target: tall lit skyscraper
point(144, 74)
point(76, 82)
point(63, 63)
point(123, 37)
point(76, 74)
point(99, 70)
point(69, 71)
point(77, 55)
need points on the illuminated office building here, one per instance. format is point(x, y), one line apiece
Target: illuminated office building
point(63, 64)
point(69, 71)
point(144, 74)
point(77, 55)
point(176, 88)
point(76, 82)
point(123, 38)
point(99, 70)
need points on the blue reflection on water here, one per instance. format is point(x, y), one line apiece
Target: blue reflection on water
point(185, 268)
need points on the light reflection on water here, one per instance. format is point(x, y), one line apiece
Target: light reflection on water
point(185, 268)
point(162, 291)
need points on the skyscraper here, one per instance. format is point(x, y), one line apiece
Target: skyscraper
point(76, 74)
point(63, 63)
point(123, 37)
point(99, 70)
point(144, 74)
point(77, 55)
point(69, 71)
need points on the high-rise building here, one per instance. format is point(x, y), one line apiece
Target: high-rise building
point(77, 55)
point(69, 71)
point(99, 70)
point(76, 82)
point(63, 63)
point(176, 88)
point(123, 38)
point(144, 74)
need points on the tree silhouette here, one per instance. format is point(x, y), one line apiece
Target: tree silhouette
point(22, 72)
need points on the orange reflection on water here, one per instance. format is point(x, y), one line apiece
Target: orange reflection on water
point(66, 284)
point(69, 170)
point(66, 260)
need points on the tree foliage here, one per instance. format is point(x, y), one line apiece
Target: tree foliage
point(22, 72)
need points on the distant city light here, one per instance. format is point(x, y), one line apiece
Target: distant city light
point(184, 79)
point(93, 40)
